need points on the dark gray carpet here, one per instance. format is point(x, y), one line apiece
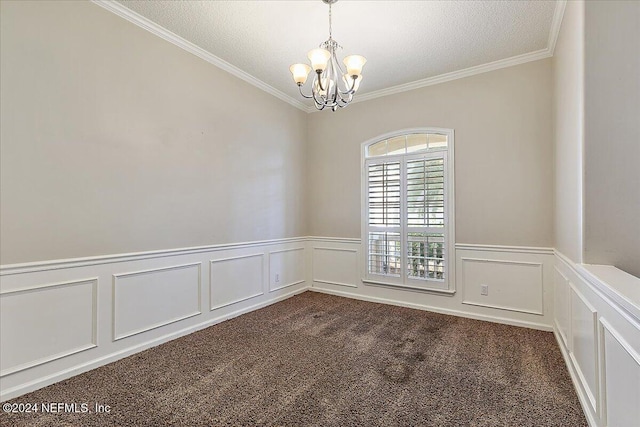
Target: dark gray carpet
point(320, 360)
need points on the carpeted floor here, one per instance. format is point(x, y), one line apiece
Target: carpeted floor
point(320, 360)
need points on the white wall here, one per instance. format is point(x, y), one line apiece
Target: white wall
point(568, 96)
point(612, 134)
point(116, 141)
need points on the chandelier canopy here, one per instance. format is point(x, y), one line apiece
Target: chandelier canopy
point(331, 87)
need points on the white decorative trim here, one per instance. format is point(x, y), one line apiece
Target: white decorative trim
point(324, 248)
point(334, 239)
point(503, 248)
point(593, 396)
point(605, 326)
point(503, 307)
point(117, 337)
point(455, 75)
point(495, 319)
point(627, 309)
point(589, 415)
point(279, 251)
point(167, 35)
point(556, 23)
point(94, 323)
point(211, 262)
point(332, 282)
point(566, 283)
point(76, 370)
point(32, 267)
point(449, 292)
point(297, 282)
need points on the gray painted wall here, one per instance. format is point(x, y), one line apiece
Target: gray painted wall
point(568, 95)
point(116, 141)
point(612, 134)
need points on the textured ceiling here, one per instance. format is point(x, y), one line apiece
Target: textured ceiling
point(403, 41)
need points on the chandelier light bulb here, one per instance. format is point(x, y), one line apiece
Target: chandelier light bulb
point(319, 58)
point(300, 73)
point(354, 64)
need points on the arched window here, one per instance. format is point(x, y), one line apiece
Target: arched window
point(408, 209)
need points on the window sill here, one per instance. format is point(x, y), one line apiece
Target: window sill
point(447, 292)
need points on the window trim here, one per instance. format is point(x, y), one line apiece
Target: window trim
point(449, 284)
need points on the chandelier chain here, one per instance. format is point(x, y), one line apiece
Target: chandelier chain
point(329, 20)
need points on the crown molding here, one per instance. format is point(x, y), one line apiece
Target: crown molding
point(455, 75)
point(167, 35)
point(558, 14)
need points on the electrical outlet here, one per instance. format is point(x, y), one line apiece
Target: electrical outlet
point(484, 290)
point(277, 278)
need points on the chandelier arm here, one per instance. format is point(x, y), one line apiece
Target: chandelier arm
point(302, 93)
point(321, 101)
point(319, 80)
point(351, 90)
point(347, 100)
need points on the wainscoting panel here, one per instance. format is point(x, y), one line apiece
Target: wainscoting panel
point(336, 266)
point(583, 345)
point(561, 304)
point(64, 317)
point(43, 323)
point(511, 285)
point(287, 267)
point(520, 282)
point(236, 279)
point(602, 345)
point(146, 300)
point(621, 378)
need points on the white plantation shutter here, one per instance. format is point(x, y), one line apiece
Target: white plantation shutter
point(425, 218)
point(406, 210)
point(384, 194)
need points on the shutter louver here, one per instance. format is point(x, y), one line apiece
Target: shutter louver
point(425, 193)
point(384, 194)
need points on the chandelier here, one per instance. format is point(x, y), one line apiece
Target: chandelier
point(331, 87)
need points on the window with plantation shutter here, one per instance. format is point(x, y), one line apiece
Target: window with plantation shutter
point(408, 199)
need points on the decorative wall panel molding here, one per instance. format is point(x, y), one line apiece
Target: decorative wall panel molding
point(621, 378)
point(287, 267)
point(130, 303)
point(583, 348)
point(236, 279)
point(510, 285)
point(148, 299)
point(43, 323)
point(519, 280)
point(602, 344)
point(561, 305)
point(336, 266)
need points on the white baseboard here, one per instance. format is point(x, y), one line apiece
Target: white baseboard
point(584, 401)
